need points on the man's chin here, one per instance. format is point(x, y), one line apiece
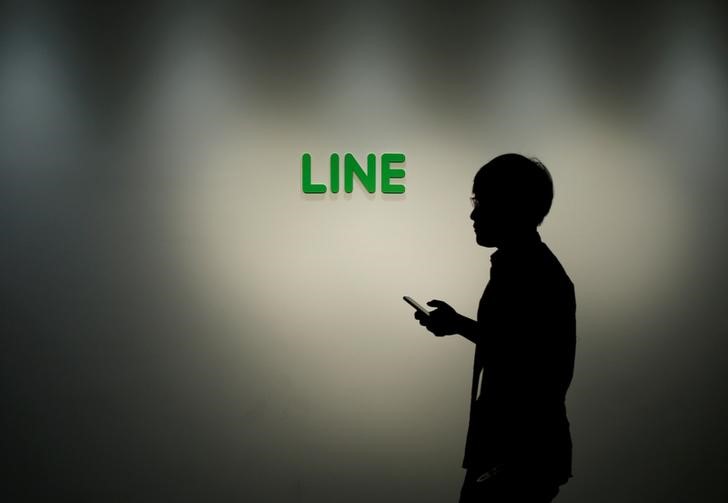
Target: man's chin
point(484, 241)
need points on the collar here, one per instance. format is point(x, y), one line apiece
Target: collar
point(523, 246)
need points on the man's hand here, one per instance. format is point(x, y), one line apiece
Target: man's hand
point(443, 320)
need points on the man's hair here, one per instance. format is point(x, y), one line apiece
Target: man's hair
point(522, 183)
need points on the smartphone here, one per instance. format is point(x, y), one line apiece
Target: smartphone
point(409, 300)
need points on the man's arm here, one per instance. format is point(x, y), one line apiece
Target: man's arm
point(468, 328)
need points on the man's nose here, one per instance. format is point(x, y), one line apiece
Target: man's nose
point(472, 215)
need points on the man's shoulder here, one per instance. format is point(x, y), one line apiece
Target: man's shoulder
point(550, 273)
point(551, 263)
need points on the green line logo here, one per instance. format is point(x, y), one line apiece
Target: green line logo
point(367, 177)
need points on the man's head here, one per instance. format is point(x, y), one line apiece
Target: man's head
point(512, 194)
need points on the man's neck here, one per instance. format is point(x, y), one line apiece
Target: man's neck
point(519, 241)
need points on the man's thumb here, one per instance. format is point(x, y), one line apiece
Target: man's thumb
point(436, 303)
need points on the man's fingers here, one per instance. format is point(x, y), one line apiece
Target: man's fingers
point(429, 323)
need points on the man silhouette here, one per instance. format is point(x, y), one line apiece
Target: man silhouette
point(518, 446)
